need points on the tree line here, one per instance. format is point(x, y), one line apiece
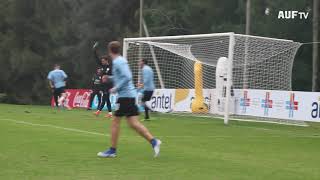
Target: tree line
point(35, 34)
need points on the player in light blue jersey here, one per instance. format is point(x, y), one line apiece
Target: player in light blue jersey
point(147, 85)
point(123, 85)
point(57, 81)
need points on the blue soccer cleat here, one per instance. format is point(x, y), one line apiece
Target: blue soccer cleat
point(110, 153)
point(156, 146)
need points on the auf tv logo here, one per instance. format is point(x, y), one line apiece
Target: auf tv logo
point(293, 15)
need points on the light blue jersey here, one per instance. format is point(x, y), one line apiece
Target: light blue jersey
point(57, 77)
point(122, 78)
point(147, 75)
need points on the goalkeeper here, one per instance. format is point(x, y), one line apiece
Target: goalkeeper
point(96, 88)
point(147, 86)
point(105, 87)
point(106, 65)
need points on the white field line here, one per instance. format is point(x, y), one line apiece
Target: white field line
point(244, 120)
point(55, 127)
point(170, 136)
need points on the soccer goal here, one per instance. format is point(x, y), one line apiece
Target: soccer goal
point(212, 73)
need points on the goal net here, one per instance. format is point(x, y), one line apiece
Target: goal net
point(215, 71)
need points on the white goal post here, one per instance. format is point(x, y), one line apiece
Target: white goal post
point(220, 65)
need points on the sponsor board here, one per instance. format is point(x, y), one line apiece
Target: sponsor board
point(113, 100)
point(183, 99)
point(162, 100)
point(76, 98)
point(291, 105)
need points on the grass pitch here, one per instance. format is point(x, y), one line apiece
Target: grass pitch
point(39, 143)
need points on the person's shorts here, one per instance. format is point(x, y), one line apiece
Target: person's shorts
point(59, 91)
point(126, 107)
point(147, 96)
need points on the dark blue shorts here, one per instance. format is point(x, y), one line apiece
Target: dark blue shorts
point(147, 96)
point(58, 91)
point(126, 107)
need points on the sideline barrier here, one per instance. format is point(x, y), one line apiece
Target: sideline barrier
point(291, 105)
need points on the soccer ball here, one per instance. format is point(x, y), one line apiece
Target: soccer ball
point(267, 11)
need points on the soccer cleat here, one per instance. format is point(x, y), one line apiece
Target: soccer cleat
point(110, 153)
point(109, 115)
point(156, 146)
point(97, 113)
point(144, 120)
point(61, 102)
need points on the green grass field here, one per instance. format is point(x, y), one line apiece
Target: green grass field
point(39, 143)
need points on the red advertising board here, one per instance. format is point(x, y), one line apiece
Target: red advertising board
point(76, 98)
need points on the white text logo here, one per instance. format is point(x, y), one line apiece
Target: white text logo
point(292, 15)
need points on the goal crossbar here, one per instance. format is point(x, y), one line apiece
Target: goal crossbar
point(198, 36)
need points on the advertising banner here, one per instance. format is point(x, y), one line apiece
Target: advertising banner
point(162, 100)
point(293, 105)
point(76, 98)
point(113, 100)
point(183, 99)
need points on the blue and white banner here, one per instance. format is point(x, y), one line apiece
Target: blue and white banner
point(113, 100)
point(295, 105)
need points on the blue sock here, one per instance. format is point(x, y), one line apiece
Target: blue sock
point(153, 142)
point(113, 150)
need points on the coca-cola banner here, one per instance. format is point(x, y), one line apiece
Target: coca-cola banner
point(76, 98)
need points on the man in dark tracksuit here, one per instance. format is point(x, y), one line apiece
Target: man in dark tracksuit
point(107, 84)
point(96, 88)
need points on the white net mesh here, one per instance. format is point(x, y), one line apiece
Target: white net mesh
point(263, 63)
point(176, 58)
point(258, 62)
